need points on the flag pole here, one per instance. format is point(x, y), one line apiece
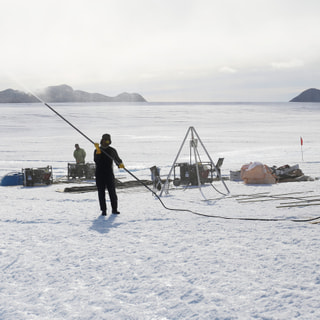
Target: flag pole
point(301, 144)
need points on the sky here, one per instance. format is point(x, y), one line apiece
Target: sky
point(166, 50)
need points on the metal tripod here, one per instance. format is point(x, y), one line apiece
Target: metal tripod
point(193, 152)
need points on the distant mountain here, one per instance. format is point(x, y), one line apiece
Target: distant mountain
point(65, 93)
point(15, 96)
point(310, 95)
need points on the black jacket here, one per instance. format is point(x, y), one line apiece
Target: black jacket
point(104, 161)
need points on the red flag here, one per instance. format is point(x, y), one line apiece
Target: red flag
point(301, 141)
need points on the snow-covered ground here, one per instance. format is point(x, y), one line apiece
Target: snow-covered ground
point(59, 259)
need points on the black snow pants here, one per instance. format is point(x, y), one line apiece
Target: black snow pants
point(104, 182)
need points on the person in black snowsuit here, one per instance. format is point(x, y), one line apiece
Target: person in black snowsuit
point(104, 156)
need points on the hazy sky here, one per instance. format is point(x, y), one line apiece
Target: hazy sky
point(166, 50)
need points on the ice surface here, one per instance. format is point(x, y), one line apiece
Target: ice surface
point(60, 260)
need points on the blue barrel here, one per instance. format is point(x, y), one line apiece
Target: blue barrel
point(12, 179)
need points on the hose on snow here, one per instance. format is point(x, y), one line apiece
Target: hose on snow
point(156, 195)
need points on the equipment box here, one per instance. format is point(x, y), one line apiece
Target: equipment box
point(235, 176)
point(37, 176)
point(86, 171)
point(188, 173)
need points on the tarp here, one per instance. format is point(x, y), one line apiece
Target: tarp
point(12, 179)
point(257, 173)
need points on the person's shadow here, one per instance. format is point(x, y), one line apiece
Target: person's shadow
point(103, 224)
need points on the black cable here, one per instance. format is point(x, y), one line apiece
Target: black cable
point(154, 193)
point(224, 194)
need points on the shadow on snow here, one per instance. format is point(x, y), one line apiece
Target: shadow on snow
point(103, 224)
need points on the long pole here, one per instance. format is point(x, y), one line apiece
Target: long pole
point(85, 136)
point(158, 197)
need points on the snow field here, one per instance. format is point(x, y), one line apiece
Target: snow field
point(59, 259)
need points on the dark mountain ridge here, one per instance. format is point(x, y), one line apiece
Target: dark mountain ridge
point(64, 93)
point(309, 95)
